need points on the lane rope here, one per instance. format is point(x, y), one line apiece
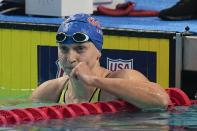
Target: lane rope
point(61, 111)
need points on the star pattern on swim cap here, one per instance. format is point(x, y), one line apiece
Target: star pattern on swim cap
point(92, 21)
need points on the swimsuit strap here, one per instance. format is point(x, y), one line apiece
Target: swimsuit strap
point(108, 74)
point(95, 97)
point(62, 96)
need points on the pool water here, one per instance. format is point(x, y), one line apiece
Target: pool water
point(180, 119)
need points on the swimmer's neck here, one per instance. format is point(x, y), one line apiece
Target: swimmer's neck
point(79, 91)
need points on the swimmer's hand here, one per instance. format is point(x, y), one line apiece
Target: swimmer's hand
point(82, 73)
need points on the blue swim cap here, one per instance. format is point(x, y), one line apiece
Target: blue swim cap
point(82, 23)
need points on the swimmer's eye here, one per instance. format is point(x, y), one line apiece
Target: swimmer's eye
point(64, 49)
point(80, 49)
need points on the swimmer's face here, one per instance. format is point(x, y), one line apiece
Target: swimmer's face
point(70, 55)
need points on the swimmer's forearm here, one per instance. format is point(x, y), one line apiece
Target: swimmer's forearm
point(140, 93)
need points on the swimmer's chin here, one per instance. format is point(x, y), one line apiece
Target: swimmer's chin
point(67, 71)
point(68, 68)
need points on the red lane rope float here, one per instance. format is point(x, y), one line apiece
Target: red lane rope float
point(11, 117)
point(193, 102)
point(38, 113)
point(24, 115)
point(3, 120)
point(178, 97)
point(66, 111)
point(16, 116)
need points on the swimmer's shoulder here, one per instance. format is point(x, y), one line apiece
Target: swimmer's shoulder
point(57, 82)
point(49, 90)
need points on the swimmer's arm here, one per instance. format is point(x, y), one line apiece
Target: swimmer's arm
point(133, 87)
point(49, 91)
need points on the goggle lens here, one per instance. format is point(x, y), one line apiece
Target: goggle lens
point(60, 37)
point(78, 37)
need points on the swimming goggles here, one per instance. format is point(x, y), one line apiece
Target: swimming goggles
point(78, 37)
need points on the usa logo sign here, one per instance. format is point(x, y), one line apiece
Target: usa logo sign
point(119, 64)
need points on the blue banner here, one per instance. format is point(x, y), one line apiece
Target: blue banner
point(143, 61)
